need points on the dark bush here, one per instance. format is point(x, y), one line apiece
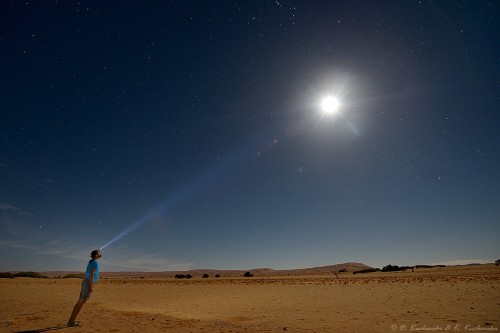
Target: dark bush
point(248, 274)
point(217, 276)
point(29, 274)
point(368, 270)
point(6, 275)
point(189, 276)
point(205, 276)
point(391, 268)
point(180, 276)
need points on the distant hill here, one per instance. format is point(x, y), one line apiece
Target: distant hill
point(347, 267)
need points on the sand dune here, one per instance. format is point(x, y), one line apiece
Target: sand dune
point(438, 299)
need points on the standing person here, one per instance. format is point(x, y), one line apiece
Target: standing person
point(91, 277)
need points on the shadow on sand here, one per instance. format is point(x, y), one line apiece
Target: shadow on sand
point(46, 329)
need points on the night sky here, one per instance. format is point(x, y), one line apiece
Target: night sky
point(200, 124)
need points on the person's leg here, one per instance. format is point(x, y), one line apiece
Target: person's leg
point(84, 296)
point(76, 309)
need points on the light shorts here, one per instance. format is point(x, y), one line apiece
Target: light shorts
point(85, 292)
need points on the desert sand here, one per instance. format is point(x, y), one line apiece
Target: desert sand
point(453, 299)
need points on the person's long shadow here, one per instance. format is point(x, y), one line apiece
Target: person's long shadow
point(46, 329)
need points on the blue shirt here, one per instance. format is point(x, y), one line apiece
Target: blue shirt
point(92, 264)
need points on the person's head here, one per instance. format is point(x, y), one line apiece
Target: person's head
point(96, 254)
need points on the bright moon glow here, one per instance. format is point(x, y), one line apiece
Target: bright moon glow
point(330, 105)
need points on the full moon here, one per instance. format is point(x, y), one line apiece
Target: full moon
point(330, 104)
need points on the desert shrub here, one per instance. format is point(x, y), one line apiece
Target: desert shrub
point(368, 270)
point(6, 275)
point(217, 276)
point(74, 276)
point(189, 276)
point(205, 276)
point(180, 276)
point(343, 270)
point(248, 274)
point(391, 268)
point(29, 274)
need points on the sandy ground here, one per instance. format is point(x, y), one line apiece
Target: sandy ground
point(453, 299)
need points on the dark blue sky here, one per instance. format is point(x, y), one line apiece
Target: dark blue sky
point(201, 124)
